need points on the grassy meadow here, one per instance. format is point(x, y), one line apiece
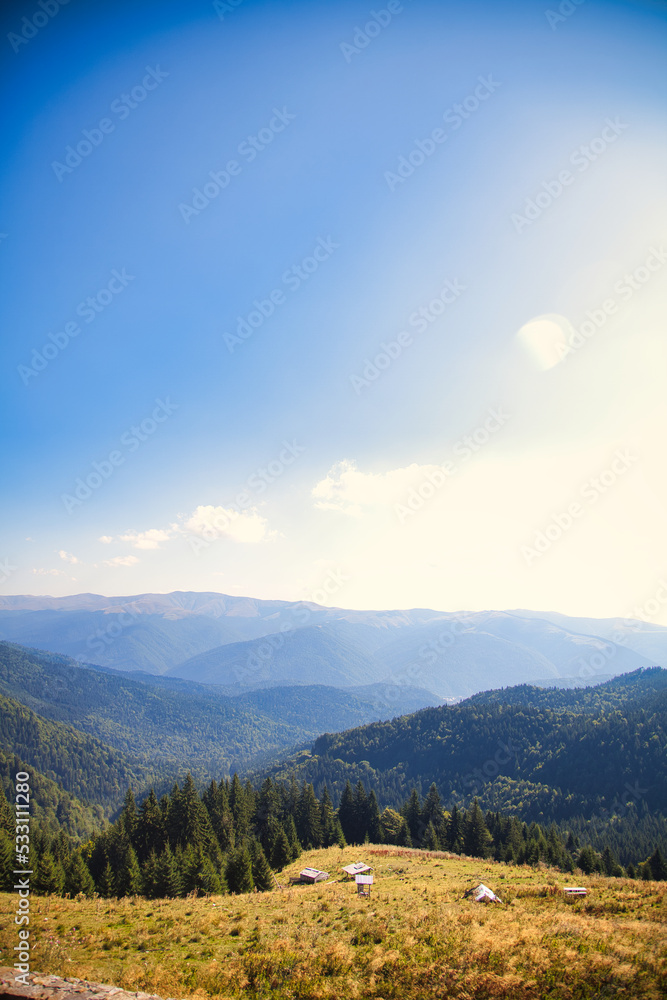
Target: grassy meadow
point(416, 937)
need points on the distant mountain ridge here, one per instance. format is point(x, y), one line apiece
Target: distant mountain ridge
point(242, 643)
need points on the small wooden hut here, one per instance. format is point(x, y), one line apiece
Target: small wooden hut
point(312, 875)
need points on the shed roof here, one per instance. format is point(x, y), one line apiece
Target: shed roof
point(357, 868)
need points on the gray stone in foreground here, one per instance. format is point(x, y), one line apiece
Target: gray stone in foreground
point(44, 987)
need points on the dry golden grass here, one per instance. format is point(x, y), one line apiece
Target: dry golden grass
point(415, 938)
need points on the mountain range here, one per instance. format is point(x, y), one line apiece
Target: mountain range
point(241, 644)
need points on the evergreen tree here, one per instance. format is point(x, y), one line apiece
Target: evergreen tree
point(346, 812)
point(106, 884)
point(373, 828)
point(262, 875)
point(309, 830)
point(360, 814)
point(216, 801)
point(327, 820)
point(432, 810)
point(151, 834)
point(128, 875)
point(455, 829)
point(290, 830)
point(129, 817)
point(49, 876)
point(587, 860)
point(280, 854)
point(412, 812)
point(149, 883)
point(7, 822)
point(238, 871)
point(657, 865)
point(6, 862)
point(240, 807)
point(431, 841)
point(477, 841)
point(168, 880)
point(77, 877)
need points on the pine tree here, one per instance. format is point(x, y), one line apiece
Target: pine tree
point(208, 880)
point(78, 878)
point(290, 830)
point(360, 814)
point(281, 852)
point(327, 819)
point(149, 882)
point(432, 810)
point(308, 827)
point(477, 841)
point(106, 885)
point(128, 874)
point(240, 807)
point(168, 881)
point(587, 860)
point(262, 875)
point(216, 801)
point(431, 841)
point(412, 812)
point(151, 834)
point(6, 862)
point(129, 817)
point(346, 812)
point(373, 829)
point(7, 822)
point(49, 876)
point(238, 871)
point(657, 865)
point(455, 831)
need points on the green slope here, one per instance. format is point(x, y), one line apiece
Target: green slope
point(546, 755)
point(174, 724)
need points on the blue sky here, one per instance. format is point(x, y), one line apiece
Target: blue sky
point(498, 167)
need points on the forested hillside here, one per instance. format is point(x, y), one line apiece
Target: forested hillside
point(544, 755)
point(172, 724)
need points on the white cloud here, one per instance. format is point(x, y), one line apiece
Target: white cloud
point(352, 492)
point(106, 539)
point(121, 561)
point(220, 522)
point(150, 539)
point(68, 557)
point(49, 572)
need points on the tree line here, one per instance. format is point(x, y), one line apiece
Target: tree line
point(233, 838)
